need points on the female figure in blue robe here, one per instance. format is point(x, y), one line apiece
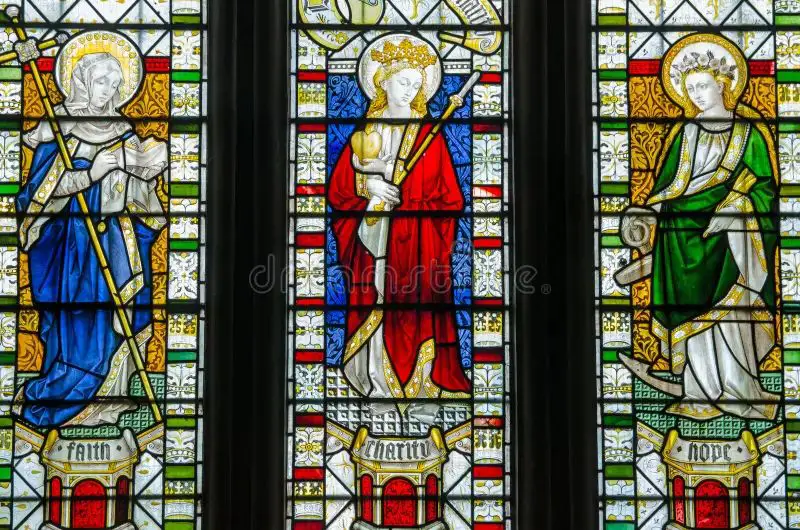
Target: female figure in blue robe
point(87, 364)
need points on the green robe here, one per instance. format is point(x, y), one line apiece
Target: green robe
point(691, 274)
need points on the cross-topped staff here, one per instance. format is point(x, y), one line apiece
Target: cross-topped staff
point(27, 51)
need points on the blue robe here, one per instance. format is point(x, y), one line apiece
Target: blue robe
point(76, 315)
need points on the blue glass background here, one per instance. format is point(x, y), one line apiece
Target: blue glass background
point(347, 102)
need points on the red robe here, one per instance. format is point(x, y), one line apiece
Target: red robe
point(419, 275)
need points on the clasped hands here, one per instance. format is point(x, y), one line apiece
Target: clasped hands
point(379, 172)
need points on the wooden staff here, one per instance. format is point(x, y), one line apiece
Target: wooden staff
point(13, 13)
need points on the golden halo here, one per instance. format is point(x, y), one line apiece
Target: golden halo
point(701, 43)
point(96, 42)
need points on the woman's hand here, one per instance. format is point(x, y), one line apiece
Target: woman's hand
point(375, 166)
point(637, 226)
point(388, 193)
point(104, 162)
point(719, 223)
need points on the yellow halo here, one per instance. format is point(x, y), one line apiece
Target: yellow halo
point(99, 41)
point(701, 43)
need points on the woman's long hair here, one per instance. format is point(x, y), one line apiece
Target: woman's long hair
point(728, 100)
point(419, 105)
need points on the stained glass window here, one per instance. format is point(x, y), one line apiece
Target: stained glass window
point(399, 327)
point(696, 183)
point(102, 206)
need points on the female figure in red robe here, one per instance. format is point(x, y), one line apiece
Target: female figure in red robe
point(395, 234)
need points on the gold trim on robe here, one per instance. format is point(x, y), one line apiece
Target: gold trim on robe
point(733, 154)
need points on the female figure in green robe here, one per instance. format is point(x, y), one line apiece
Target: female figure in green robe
point(713, 283)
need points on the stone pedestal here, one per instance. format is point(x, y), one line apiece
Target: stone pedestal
point(361, 525)
point(711, 479)
point(96, 472)
point(124, 526)
point(675, 526)
point(406, 471)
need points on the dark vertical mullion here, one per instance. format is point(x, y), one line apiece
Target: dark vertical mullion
point(553, 307)
point(579, 370)
point(246, 233)
point(267, 199)
point(246, 359)
point(217, 490)
point(246, 334)
point(529, 73)
point(553, 228)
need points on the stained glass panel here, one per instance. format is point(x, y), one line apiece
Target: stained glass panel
point(399, 326)
point(695, 123)
point(102, 222)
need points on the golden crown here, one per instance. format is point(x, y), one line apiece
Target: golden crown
point(414, 56)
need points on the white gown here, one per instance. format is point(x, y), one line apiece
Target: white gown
point(720, 364)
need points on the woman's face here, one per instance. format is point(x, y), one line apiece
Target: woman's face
point(104, 87)
point(704, 90)
point(403, 87)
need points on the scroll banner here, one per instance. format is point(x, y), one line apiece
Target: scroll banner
point(370, 12)
point(475, 13)
point(95, 455)
point(387, 454)
point(725, 457)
